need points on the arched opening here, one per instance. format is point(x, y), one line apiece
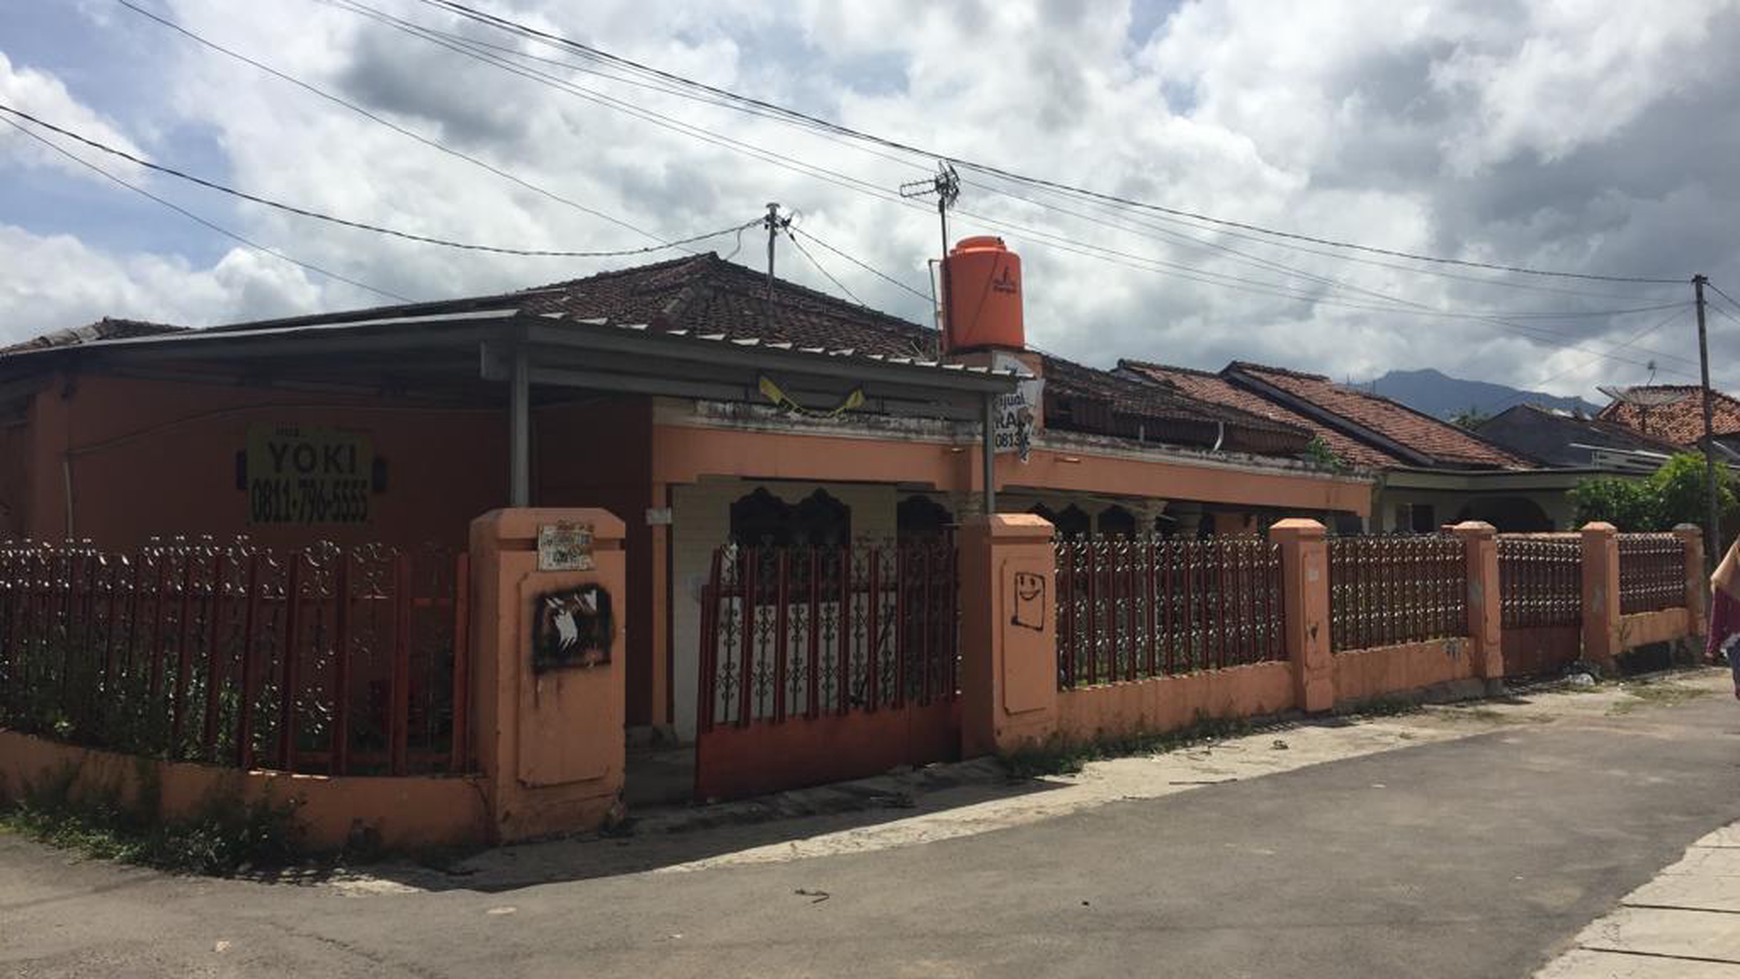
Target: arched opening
point(922, 518)
point(1117, 521)
point(1510, 514)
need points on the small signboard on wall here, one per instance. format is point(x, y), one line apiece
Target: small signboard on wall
point(564, 547)
point(1016, 410)
point(308, 475)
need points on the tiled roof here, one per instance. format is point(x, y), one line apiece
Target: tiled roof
point(1438, 443)
point(1216, 389)
point(103, 329)
point(1118, 405)
point(1681, 422)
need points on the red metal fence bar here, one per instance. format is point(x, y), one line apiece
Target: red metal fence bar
point(229, 655)
point(1387, 590)
point(1652, 572)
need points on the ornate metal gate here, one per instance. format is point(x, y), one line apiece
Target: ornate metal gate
point(825, 663)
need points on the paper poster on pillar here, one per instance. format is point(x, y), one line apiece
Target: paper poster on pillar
point(572, 627)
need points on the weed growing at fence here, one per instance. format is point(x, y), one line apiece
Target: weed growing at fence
point(1059, 755)
point(226, 835)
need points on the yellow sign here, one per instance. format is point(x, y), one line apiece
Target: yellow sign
point(308, 475)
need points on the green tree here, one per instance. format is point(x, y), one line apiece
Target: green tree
point(1673, 494)
point(1471, 419)
point(1318, 453)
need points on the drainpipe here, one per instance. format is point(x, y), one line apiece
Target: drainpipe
point(990, 449)
point(519, 431)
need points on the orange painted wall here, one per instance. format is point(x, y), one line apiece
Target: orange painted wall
point(1170, 703)
point(1367, 673)
point(685, 454)
point(406, 812)
point(1646, 628)
point(158, 458)
point(599, 453)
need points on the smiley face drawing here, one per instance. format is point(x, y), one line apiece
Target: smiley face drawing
point(1029, 601)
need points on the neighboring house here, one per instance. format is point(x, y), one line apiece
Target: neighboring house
point(1428, 472)
point(1677, 416)
point(1561, 440)
point(685, 396)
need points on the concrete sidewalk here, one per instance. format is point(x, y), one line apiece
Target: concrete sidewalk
point(1683, 924)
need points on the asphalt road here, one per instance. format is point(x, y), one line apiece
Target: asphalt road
point(1479, 857)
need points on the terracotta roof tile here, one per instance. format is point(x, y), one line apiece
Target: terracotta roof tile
point(1439, 443)
point(1681, 422)
point(1216, 389)
point(103, 329)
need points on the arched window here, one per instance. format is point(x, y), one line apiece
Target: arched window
point(761, 519)
point(820, 520)
point(1115, 520)
point(1074, 522)
point(920, 517)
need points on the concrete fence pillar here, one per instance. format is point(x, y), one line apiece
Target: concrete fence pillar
point(1008, 633)
point(1601, 643)
point(548, 670)
point(1485, 608)
point(1305, 605)
point(1697, 585)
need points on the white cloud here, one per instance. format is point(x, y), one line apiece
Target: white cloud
point(1519, 133)
point(44, 96)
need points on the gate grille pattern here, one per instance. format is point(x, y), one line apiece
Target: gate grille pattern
point(1652, 572)
point(1133, 608)
point(1384, 591)
point(807, 631)
point(1540, 581)
point(323, 659)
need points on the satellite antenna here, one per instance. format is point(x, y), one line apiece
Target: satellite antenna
point(1643, 399)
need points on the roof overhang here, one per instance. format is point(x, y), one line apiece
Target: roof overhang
point(478, 347)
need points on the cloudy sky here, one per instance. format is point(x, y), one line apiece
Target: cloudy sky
point(1598, 138)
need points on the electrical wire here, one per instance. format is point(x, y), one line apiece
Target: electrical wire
point(388, 123)
point(1160, 266)
point(524, 30)
point(1585, 366)
point(822, 268)
point(360, 225)
point(184, 212)
point(1719, 292)
point(891, 280)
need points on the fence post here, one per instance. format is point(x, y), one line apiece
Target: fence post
point(1008, 633)
point(1697, 586)
point(1305, 610)
point(1601, 594)
point(1485, 603)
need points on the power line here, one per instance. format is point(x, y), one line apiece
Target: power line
point(552, 195)
point(1719, 292)
point(184, 212)
point(1584, 366)
point(891, 280)
point(524, 30)
point(359, 225)
point(820, 267)
point(1154, 265)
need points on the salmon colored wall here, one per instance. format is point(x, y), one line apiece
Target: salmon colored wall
point(686, 454)
point(599, 453)
point(1647, 628)
point(1175, 702)
point(1541, 649)
point(406, 812)
point(152, 458)
point(1367, 673)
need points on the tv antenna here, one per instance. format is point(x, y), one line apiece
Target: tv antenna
point(946, 185)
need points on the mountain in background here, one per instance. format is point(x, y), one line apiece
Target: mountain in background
point(1441, 396)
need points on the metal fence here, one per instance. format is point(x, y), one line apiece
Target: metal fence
point(1540, 580)
point(805, 631)
point(1389, 590)
point(323, 659)
point(1652, 572)
point(1132, 608)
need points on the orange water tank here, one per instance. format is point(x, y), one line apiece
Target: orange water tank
point(983, 280)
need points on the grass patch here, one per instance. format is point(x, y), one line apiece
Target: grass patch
point(1655, 695)
point(1486, 714)
point(1058, 755)
point(225, 836)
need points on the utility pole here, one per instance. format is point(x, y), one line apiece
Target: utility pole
point(1713, 526)
point(946, 185)
point(774, 225)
